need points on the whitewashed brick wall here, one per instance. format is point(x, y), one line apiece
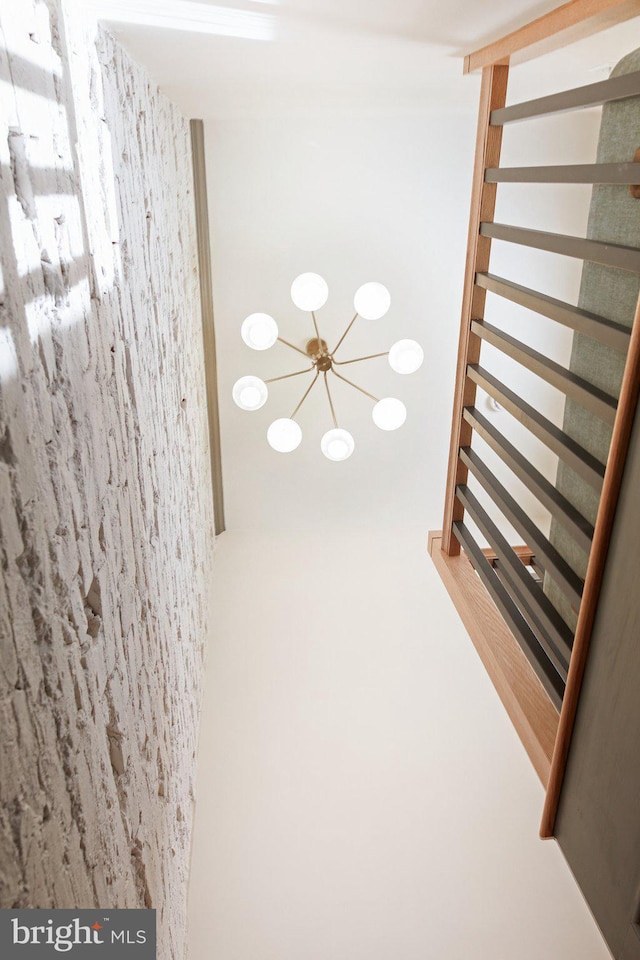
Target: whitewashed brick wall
point(105, 493)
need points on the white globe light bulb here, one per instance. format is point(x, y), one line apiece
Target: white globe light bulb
point(389, 413)
point(250, 393)
point(406, 356)
point(259, 331)
point(372, 300)
point(284, 435)
point(309, 292)
point(337, 444)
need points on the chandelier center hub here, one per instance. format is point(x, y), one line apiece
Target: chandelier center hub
point(318, 350)
point(323, 364)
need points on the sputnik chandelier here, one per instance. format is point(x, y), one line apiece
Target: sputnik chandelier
point(259, 331)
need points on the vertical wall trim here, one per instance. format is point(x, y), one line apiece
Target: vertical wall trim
point(208, 329)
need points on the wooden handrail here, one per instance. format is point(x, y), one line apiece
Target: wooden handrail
point(570, 22)
point(595, 571)
point(493, 95)
point(566, 24)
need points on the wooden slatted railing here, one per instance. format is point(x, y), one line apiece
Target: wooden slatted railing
point(554, 657)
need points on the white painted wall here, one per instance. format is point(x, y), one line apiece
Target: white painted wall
point(361, 792)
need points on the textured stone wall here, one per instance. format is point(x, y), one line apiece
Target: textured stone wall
point(105, 493)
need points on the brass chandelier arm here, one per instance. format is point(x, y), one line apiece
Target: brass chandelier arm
point(333, 413)
point(306, 393)
point(344, 334)
point(315, 324)
point(286, 376)
point(371, 356)
point(293, 346)
point(355, 385)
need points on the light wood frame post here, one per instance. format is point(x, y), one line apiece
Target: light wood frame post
point(493, 93)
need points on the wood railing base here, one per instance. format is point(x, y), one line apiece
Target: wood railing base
point(528, 706)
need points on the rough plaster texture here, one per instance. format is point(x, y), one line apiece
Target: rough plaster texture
point(105, 495)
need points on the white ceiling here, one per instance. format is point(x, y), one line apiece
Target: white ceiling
point(257, 57)
point(341, 142)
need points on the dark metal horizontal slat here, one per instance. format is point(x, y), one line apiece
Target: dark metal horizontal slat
point(609, 254)
point(599, 328)
point(555, 565)
point(549, 677)
point(622, 173)
point(584, 393)
point(560, 443)
point(591, 95)
point(558, 506)
point(547, 624)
